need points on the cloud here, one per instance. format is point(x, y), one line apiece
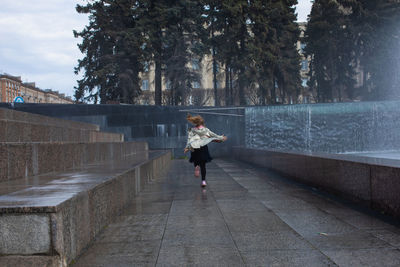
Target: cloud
point(37, 41)
point(303, 8)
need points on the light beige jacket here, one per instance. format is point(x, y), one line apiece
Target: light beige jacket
point(198, 137)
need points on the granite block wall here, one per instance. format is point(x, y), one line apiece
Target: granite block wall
point(360, 179)
point(17, 116)
point(20, 160)
point(22, 132)
point(385, 185)
point(16, 126)
point(25, 234)
point(84, 217)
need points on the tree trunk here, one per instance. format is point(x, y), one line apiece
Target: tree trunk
point(242, 100)
point(263, 94)
point(231, 101)
point(365, 86)
point(157, 81)
point(227, 85)
point(216, 102)
point(103, 96)
point(283, 92)
point(273, 91)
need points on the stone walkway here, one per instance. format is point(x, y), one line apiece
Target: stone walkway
point(245, 217)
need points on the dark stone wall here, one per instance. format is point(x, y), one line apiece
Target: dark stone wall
point(369, 181)
point(162, 127)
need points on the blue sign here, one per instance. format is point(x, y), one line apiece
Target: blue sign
point(18, 99)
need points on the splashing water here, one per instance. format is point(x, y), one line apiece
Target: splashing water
point(332, 128)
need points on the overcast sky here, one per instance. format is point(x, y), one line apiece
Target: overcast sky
point(36, 40)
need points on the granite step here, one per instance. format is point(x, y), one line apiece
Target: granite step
point(22, 132)
point(21, 160)
point(24, 127)
point(48, 220)
point(19, 116)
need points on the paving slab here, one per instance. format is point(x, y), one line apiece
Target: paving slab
point(138, 253)
point(244, 217)
point(391, 236)
point(266, 241)
point(375, 257)
point(294, 257)
point(199, 256)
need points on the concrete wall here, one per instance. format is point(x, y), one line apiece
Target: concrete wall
point(373, 182)
point(162, 127)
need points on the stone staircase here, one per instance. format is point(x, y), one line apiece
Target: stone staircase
point(61, 183)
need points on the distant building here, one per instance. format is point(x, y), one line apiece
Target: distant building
point(12, 86)
point(202, 93)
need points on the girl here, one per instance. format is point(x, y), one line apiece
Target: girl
point(198, 138)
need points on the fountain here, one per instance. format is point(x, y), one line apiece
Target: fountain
point(368, 128)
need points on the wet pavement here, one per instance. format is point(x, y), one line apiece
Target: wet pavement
point(245, 217)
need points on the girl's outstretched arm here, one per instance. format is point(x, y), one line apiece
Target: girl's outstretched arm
point(220, 137)
point(188, 146)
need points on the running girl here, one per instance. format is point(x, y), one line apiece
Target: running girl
point(198, 138)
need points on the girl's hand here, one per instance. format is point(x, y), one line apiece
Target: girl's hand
point(225, 138)
point(185, 150)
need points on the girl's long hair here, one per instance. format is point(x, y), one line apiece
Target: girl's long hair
point(196, 120)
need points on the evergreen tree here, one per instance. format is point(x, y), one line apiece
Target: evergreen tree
point(242, 59)
point(153, 22)
point(329, 43)
point(263, 48)
point(273, 49)
point(113, 55)
point(287, 71)
point(228, 48)
point(375, 30)
point(183, 47)
point(253, 39)
point(212, 12)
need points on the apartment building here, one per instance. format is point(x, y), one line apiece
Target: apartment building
point(12, 86)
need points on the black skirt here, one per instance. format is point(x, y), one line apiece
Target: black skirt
point(200, 155)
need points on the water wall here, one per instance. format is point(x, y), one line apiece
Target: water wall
point(332, 128)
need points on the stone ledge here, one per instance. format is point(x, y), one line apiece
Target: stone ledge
point(374, 183)
point(24, 132)
point(29, 261)
point(19, 116)
point(21, 160)
point(74, 219)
